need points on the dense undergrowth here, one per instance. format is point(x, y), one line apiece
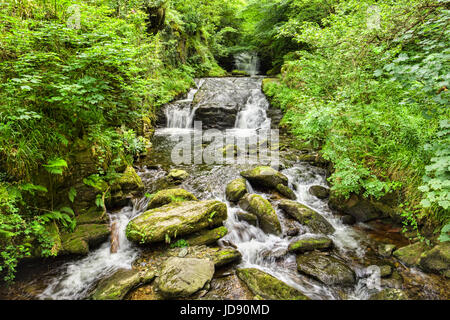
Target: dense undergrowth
point(368, 85)
point(90, 70)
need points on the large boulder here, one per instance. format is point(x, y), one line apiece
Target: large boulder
point(319, 192)
point(390, 294)
point(167, 196)
point(93, 215)
point(326, 269)
point(262, 208)
point(84, 237)
point(410, 255)
point(286, 191)
point(120, 283)
point(219, 101)
point(436, 260)
point(207, 237)
point(250, 218)
point(362, 209)
point(177, 175)
point(310, 244)
point(125, 188)
point(182, 277)
point(306, 216)
point(265, 177)
point(219, 256)
point(175, 220)
point(236, 189)
point(268, 287)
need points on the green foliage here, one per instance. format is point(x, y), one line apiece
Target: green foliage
point(445, 233)
point(182, 243)
point(437, 174)
point(374, 98)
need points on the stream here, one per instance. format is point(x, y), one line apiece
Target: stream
point(353, 245)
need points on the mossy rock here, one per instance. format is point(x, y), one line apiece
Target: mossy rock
point(262, 208)
point(176, 220)
point(236, 189)
point(436, 260)
point(265, 177)
point(248, 217)
point(240, 73)
point(390, 294)
point(120, 283)
point(219, 256)
point(93, 215)
point(410, 255)
point(267, 286)
point(128, 181)
point(319, 192)
point(83, 238)
point(182, 277)
point(361, 209)
point(167, 196)
point(385, 250)
point(310, 244)
point(326, 269)
point(177, 175)
point(207, 237)
point(306, 216)
point(286, 191)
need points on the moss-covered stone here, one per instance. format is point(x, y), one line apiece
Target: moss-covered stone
point(306, 216)
point(83, 238)
point(248, 217)
point(176, 220)
point(267, 286)
point(219, 256)
point(436, 260)
point(167, 196)
point(239, 73)
point(93, 215)
point(262, 208)
point(385, 270)
point(207, 237)
point(266, 177)
point(362, 209)
point(326, 269)
point(286, 191)
point(410, 255)
point(120, 283)
point(129, 180)
point(225, 256)
point(390, 294)
point(182, 277)
point(386, 250)
point(177, 175)
point(236, 189)
point(319, 192)
point(310, 244)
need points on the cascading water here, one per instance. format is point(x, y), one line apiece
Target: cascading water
point(180, 114)
point(248, 62)
point(77, 278)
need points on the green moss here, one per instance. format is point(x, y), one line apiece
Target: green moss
point(267, 286)
point(167, 196)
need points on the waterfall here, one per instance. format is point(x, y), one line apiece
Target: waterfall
point(253, 115)
point(248, 62)
point(180, 114)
